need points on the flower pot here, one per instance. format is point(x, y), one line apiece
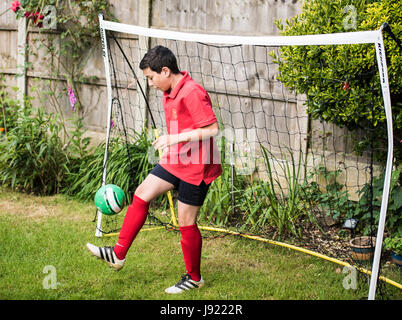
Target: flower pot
point(362, 248)
point(397, 259)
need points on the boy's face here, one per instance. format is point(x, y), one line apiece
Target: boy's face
point(160, 81)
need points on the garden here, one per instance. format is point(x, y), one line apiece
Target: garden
point(50, 170)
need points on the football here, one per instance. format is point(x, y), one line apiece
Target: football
point(110, 199)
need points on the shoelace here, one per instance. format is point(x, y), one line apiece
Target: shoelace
point(184, 278)
point(185, 283)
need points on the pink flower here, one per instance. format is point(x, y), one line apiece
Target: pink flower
point(15, 6)
point(71, 97)
point(36, 17)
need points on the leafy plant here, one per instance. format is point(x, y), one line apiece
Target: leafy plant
point(85, 179)
point(341, 82)
point(32, 158)
point(285, 207)
point(8, 108)
point(393, 244)
point(251, 204)
point(218, 205)
point(328, 198)
point(78, 144)
point(393, 222)
point(67, 50)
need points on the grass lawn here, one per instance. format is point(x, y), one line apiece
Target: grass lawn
point(38, 234)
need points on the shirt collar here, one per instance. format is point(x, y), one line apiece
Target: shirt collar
point(173, 93)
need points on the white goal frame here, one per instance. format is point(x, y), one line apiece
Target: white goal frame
point(361, 37)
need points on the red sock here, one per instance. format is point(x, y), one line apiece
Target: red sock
point(191, 244)
point(133, 221)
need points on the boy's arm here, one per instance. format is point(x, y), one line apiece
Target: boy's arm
point(193, 135)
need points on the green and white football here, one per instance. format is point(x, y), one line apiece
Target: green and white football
point(110, 199)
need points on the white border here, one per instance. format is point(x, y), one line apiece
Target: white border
point(361, 37)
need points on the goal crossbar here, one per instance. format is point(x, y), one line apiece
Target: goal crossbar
point(318, 39)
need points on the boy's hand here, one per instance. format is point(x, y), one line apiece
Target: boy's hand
point(165, 141)
point(194, 135)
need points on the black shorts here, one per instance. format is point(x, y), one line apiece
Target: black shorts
point(187, 193)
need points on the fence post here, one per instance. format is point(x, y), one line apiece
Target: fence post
point(21, 60)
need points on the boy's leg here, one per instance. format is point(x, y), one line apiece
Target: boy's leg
point(137, 212)
point(191, 243)
point(191, 240)
point(134, 219)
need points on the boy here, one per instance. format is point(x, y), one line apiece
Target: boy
point(190, 162)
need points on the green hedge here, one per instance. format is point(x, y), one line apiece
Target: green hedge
point(346, 99)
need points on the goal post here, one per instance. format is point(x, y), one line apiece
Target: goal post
point(382, 66)
point(105, 54)
point(232, 85)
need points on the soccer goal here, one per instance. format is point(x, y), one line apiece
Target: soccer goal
point(288, 173)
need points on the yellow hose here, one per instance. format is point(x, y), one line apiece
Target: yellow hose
point(290, 246)
point(282, 244)
point(258, 238)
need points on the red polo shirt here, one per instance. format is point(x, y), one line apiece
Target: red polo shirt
point(188, 107)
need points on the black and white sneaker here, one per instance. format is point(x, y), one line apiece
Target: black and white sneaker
point(186, 283)
point(106, 254)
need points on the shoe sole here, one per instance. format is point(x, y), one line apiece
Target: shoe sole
point(111, 265)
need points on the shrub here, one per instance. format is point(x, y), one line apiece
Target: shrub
point(32, 158)
point(330, 199)
point(8, 108)
point(84, 178)
point(222, 201)
point(277, 204)
point(367, 209)
point(347, 100)
point(394, 244)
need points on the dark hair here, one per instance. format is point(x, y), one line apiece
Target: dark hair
point(159, 57)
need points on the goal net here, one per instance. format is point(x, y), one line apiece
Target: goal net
point(290, 172)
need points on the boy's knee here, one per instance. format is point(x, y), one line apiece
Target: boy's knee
point(140, 192)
